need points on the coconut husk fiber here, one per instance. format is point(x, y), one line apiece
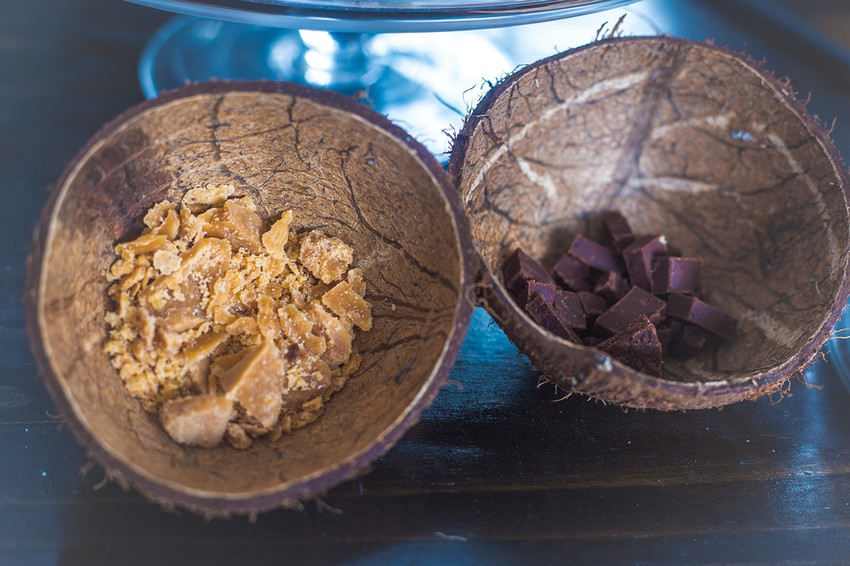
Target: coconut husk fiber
point(685, 139)
point(341, 168)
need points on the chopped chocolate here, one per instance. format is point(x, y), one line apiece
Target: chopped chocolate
point(690, 309)
point(613, 297)
point(592, 304)
point(619, 230)
point(638, 257)
point(568, 308)
point(572, 273)
point(612, 286)
point(519, 267)
point(593, 254)
point(636, 302)
point(690, 341)
point(544, 314)
point(637, 346)
point(675, 274)
point(531, 288)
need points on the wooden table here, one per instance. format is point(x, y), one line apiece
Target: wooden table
point(498, 471)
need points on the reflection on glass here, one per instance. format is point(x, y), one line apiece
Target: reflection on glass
point(425, 82)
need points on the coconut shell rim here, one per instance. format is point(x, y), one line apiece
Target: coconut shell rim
point(290, 493)
point(677, 395)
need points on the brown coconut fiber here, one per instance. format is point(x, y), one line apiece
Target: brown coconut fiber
point(685, 139)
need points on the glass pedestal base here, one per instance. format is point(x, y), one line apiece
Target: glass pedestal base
point(424, 82)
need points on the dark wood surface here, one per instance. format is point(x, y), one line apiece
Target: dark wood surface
point(498, 471)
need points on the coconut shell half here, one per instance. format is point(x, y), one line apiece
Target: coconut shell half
point(340, 167)
point(685, 139)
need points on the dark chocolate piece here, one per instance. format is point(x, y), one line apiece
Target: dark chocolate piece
point(619, 230)
point(612, 286)
point(531, 288)
point(690, 309)
point(519, 267)
point(592, 304)
point(690, 342)
point(591, 341)
point(544, 314)
point(568, 308)
point(636, 302)
point(572, 273)
point(675, 274)
point(638, 257)
point(637, 346)
point(595, 255)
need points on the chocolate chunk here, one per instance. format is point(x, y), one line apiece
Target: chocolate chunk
point(544, 314)
point(690, 342)
point(531, 288)
point(636, 302)
point(619, 230)
point(638, 257)
point(637, 346)
point(593, 254)
point(592, 304)
point(519, 267)
point(612, 286)
point(690, 309)
point(591, 341)
point(568, 308)
point(675, 274)
point(572, 273)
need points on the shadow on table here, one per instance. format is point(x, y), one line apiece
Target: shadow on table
point(500, 471)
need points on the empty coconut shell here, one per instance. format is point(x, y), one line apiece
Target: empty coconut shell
point(685, 139)
point(341, 168)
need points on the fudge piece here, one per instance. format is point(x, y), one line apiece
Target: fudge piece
point(345, 303)
point(326, 257)
point(237, 222)
point(200, 420)
point(572, 273)
point(592, 304)
point(255, 381)
point(568, 308)
point(531, 288)
point(519, 268)
point(636, 302)
point(690, 309)
point(675, 274)
point(544, 314)
point(637, 346)
point(638, 257)
point(593, 254)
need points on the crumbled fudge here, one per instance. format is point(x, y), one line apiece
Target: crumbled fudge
point(632, 297)
point(229, 331)
point(199, 420)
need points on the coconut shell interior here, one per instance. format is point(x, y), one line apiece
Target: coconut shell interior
point(687, 140)
point(341, 168)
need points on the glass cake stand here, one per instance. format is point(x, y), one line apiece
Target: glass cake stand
point(373, 50)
